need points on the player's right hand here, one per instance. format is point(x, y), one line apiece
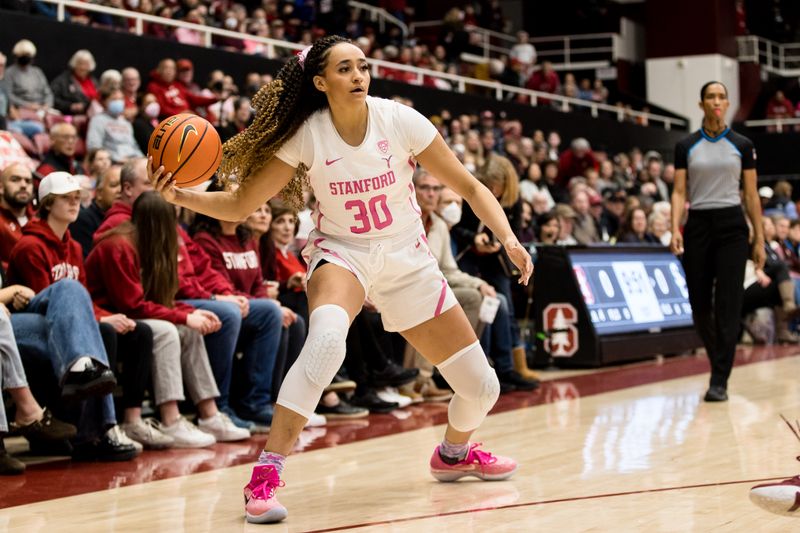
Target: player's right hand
point(676, 243)
point(162, 182)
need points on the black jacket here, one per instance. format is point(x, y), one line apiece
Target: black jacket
point(67, 91)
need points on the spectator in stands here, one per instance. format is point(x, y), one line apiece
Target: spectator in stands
point(15, 207)
point(75, 88)
point(512, 370)
point(566, 222)
point(146, 120)
point(599, 92)
point(61, 156)
point(27, 85)
point(548, 228)
point(48, 262)
point(110, 80)
point(89, 219)
point(282, 263)
point(585, 89)
point(781, 201)
point(243, 114)
point(658, 226)
point(172, 96)
point(544, 80)
point(234, 254)
point(31, 421)
point(575, 160)
point(109, 130)
point(651, 183)
point(634, 229)
point(190, 36)
point(134, 269)
point(523, 54)
point(131, 83)
point(202, 287)
point(779, 107)
point(585, 228)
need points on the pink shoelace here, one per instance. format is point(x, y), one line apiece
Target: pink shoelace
point(266, 480)
point(479, 456)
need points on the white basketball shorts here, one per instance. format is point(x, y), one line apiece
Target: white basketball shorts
point(399, 274)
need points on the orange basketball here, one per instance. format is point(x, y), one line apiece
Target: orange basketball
point(188, 146)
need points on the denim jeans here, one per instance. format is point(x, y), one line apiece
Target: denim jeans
point(29, 128)
point(12, 374)
point(92, 416)
point(70, 329)
point(221, 345)
point(259, 342)
point(497, 339)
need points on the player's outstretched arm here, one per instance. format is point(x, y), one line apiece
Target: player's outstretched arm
point(440, 162)
point(231, 206)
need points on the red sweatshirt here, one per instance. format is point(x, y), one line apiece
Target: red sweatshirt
point(174, 97)
point(10, 232)
point(239, 265)
point(196, 278)
point(116, 215)
point(115, 282)
point(286, 265)
point(40, 259)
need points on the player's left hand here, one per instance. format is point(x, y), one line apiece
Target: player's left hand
point(521, 258)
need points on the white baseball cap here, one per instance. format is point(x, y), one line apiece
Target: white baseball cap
point(58, 183)
point(765, 192)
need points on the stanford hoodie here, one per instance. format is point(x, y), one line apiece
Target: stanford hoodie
point(240, 265)
point(115, 282)
point(197, 279)
point(40, 259)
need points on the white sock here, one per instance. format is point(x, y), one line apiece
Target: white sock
point(81, 364)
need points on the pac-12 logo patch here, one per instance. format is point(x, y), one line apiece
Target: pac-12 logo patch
point(383, 146)
point(559, 321)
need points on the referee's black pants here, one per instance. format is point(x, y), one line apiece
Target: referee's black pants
point(714, 258)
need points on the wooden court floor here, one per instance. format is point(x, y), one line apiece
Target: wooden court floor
point(623, 449)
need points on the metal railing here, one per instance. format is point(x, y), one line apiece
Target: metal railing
point(567, 52)
point(417, 76)
point(780, 59)
point(777, 123)
point(381, 16)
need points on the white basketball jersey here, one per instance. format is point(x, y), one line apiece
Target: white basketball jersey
point(364, 191)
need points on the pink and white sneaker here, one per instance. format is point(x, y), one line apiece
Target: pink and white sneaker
point(260, 504)
point(478, 463)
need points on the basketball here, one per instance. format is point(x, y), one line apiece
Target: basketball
point(188, 146)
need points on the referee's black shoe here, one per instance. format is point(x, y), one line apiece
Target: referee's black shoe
point(715, 393)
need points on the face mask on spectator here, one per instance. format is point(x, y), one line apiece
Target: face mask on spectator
point(116, 107)
point(134, 4)
point(231, 23)
point(451, 213)
point(217, 86)
point(24, 60)
point(152, 109)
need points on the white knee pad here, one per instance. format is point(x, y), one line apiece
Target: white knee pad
point(319, 360)
point(475, 385)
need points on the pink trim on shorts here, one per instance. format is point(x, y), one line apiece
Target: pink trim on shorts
point(319, 219)
point(340, 258)
point(412, 163)
point(441, 299)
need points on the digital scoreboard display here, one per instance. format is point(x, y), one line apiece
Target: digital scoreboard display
point(632, 291)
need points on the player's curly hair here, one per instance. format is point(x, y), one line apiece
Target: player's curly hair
point(281, 108)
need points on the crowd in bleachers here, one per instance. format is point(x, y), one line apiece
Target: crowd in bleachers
point(118, 304)
point(301, 22)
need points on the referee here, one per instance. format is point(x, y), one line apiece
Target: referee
point(714, 162)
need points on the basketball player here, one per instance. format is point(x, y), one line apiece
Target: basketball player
point(316, 120)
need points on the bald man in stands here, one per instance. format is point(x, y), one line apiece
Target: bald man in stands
point(16, 181)
point(61, 156)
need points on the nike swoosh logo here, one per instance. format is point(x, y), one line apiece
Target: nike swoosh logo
point(329, 162)
point(189, 128)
